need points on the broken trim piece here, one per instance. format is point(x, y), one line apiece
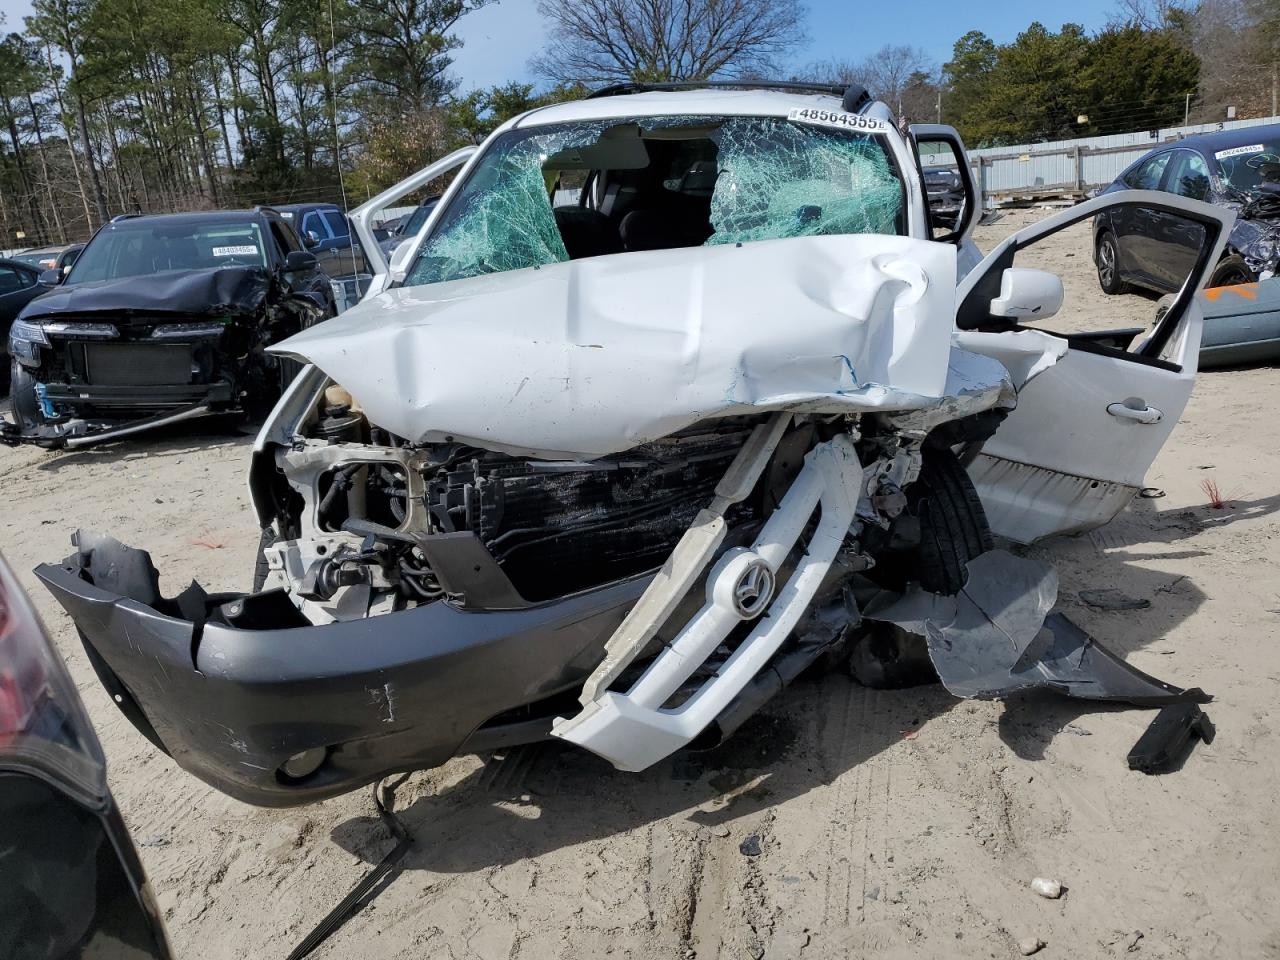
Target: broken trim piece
point(192, 412)
point(1166, 743)
point(688, 559)
point(633, 730)
point(997, 637)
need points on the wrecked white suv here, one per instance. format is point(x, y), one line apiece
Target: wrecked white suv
point(668, 390)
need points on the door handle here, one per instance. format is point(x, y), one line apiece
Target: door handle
point(1135, 409)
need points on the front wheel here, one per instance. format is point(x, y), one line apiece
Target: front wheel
point(1107, 259)
point(944, 508)
point(1231, 271)
point(26, 405)
point(953, 524)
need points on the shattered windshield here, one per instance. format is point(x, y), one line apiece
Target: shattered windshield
point(135, 248)
point(1249, 166)
point(568, 191)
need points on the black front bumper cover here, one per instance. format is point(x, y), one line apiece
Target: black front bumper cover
point(407, 690)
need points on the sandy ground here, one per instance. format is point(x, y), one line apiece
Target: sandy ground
point(900, 824)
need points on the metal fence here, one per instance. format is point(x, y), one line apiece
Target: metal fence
point(1070, 168)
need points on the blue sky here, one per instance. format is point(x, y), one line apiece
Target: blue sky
point(499, 39)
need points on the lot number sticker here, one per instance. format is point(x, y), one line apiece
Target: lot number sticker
point(836, 118)
point(1238, 151)
point(248, 250)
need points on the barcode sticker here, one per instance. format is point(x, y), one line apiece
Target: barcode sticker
point(836, 118)
point(1238, 151)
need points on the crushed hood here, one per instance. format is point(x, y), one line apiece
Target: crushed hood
point(595, 356)
point(190, 293)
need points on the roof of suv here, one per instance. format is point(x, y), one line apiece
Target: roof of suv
point(189, 216)
point(708, 102)
point(299, 207)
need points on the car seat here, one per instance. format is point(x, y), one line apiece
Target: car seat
point(586, 232)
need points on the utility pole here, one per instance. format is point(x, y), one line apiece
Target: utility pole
point(1186, 111)
point(1275, 90)
point(1273, 96)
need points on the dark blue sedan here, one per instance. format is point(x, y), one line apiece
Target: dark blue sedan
point(1239, 169)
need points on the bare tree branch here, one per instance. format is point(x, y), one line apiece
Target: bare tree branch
point(600, 41)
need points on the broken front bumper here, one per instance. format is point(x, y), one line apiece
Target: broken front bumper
point(238, 707)
point(119, 411)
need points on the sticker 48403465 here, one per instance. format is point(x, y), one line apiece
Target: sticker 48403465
point(837, 118)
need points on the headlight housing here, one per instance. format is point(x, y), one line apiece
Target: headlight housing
point(1263, 252)
point(25, 341)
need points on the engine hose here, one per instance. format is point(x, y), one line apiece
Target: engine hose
point(340, 483)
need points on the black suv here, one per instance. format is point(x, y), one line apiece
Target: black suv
point(162, 318)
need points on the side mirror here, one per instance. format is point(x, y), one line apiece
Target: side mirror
point(1028, 294)
point(310, 239)
point(50, 278)
point(299, 261)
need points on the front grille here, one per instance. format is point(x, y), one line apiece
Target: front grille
point(137, 364)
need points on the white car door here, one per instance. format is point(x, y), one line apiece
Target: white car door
point(1076, 449)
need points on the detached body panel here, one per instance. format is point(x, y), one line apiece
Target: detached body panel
point(1241, 324)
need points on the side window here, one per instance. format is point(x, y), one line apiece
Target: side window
point(1147, 176)
point(1189, 176)
point(10, 280)
point(284, 237)
point(337, 224)
point(27, 278)
point(312, 223)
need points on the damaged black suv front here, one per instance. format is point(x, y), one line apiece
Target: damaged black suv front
point(162, 318)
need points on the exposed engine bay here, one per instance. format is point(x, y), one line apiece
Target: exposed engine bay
point(376, 524)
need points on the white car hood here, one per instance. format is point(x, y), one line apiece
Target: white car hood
point(595, 356)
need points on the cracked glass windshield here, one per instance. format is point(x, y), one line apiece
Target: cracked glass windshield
point(568, 191)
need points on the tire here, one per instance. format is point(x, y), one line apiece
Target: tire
point(288, 368)
point(953, 524)
point(1231, 271)
point(953, 531)
point(260, 568)
point(1106, 258)
point(25, 403)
